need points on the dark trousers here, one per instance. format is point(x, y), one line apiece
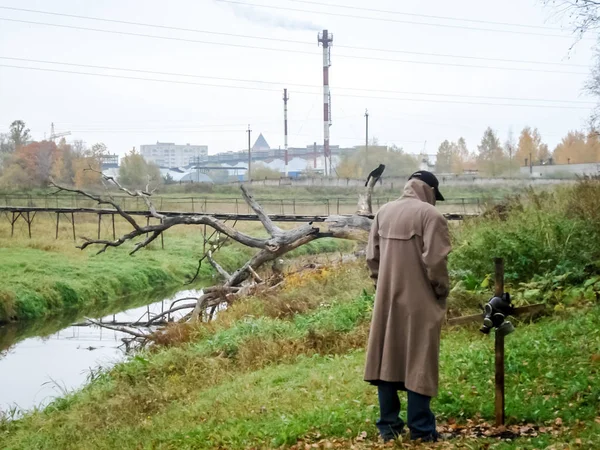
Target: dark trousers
point(421, 421)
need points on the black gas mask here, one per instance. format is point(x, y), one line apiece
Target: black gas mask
point(496, 311)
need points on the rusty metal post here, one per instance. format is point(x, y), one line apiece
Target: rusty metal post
point(113, 227)
point(57, 221)
point(12, 224)
point(73, 224)
point(499, 347)
point(99, 222)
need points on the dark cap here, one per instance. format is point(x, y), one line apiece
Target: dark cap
point(431, 180)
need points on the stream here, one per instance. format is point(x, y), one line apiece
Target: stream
point(42, 360)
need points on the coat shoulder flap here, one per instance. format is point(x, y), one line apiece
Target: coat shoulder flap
point(402, 219)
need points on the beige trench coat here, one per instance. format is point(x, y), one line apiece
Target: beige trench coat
point(407, 256)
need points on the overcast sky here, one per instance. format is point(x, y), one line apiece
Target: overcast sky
point(434, 98)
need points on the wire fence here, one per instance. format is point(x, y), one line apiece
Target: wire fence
point(235, 205)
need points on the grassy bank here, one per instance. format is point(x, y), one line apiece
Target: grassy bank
point(44, 276)
point(274, 370)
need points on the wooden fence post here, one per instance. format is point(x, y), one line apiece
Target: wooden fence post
point(162, 237)
point(499, 347)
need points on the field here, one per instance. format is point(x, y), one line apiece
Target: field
point(276, 200)
point(275, 370)
point(284, 368)
point(44, 275)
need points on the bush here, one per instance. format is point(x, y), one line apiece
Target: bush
point(543, 234)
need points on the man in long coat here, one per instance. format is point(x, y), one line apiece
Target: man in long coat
point(407, 257)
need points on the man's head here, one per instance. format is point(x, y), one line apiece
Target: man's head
point(431, 180)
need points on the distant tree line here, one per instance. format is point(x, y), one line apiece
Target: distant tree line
point(25, 163)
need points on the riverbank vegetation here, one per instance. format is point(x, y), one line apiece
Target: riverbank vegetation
point(285, 366)
point(279, 368)
point(45, 276)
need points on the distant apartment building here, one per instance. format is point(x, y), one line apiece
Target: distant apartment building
point(168, 154)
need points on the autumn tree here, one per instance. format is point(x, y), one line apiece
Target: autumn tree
point(62, 166)
point(577, 148)
point(263, 172)
point(531, 148)
point(461, 157)
point(6, 148)
point(84, 159)
point(349, 167)
point(86, 172)
point(445, 156)
point(19, 135)
point(491, 157)
point(358, 164)
point(36, 160)
point(98, 150)
point(136, 173)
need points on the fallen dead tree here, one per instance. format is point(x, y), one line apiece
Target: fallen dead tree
point(245, 279)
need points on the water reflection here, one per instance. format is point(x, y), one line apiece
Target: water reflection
point(34, 370)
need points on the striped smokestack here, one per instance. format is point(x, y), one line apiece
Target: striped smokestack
point(326, 39)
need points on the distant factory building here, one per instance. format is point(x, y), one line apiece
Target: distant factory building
point(169, 154)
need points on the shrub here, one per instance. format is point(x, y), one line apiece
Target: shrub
point(544, 234)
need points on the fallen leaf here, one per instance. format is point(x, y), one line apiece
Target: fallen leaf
point(558, 421)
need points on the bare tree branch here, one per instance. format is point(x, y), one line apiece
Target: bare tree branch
point(237, 283)
point(217, 266)
point(271, 228)
point(254, 275)
point(121, 329)
point(170, 311)
point(101, 201)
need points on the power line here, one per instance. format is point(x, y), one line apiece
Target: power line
point(124, 33)
point(426, 16)
point(152, 72)
point(382, 19)
point(195, 30)
point(298, 92)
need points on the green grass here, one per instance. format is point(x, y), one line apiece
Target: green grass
point(40, 282)
point(539, 235)
point(253, 380)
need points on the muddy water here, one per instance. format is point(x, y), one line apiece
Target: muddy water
point(43, 360)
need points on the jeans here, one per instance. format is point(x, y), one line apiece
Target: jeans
point(421, 421)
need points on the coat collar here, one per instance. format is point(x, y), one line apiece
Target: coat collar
point(420, 190)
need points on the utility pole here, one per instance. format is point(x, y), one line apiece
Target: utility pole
point(530, 165)
point(367, 138)
point(249, 155)
point(285, 128)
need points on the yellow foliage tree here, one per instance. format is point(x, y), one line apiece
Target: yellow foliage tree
point(573, 149)
point(82, 176)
